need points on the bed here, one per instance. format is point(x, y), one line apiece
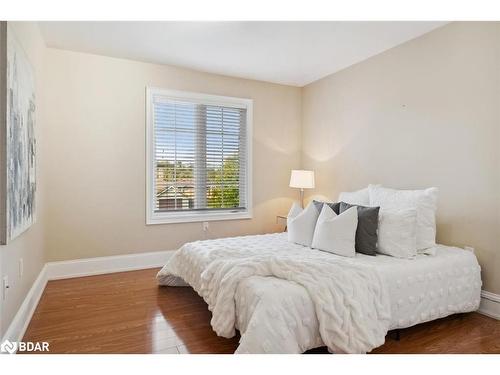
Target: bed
point(277, 313)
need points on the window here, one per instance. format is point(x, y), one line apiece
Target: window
point(198, 157)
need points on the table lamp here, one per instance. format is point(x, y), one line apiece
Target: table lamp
point(302, 179)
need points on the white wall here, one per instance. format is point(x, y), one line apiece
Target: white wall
point(96, 154)
point(30, 245)
point(426, 113)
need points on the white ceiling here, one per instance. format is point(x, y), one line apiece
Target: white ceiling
point(292, 53)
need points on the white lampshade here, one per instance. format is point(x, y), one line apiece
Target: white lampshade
point(302, 179)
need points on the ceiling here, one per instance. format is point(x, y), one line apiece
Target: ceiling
point(291, 53)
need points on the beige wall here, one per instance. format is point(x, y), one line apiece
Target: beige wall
point(426, 113)
point(96, 154)
point(29, 245)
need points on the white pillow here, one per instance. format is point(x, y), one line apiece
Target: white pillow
point(301, 224)
point(336, 233)
point(359, 197)
point(397, 232)
point(294, 211)
point(424, 201)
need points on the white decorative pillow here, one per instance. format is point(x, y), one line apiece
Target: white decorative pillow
point(301, 224)
point(359, 197)
point(397, 232)
point(294, 211)
point(336, 233)
point(424, 201)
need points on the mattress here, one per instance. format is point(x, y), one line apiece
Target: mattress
point(278, 316)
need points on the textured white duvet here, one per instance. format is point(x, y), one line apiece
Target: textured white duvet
point(287, 298)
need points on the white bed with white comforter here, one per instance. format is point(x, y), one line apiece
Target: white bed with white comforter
point(287, 298)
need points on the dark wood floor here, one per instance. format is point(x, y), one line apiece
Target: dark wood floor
point(128, 313)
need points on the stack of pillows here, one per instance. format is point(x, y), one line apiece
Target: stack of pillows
point(399, 223)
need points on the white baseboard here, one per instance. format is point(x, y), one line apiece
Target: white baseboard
point(490, 304)
point(18, 326)
point(77, 268)
point(101, 265)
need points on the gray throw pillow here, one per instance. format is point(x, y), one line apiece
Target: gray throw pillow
point(366, 233)
point(334, 206)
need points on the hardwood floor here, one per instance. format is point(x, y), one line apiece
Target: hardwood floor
point(128, 313)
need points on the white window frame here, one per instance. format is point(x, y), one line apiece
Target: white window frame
point(165, 217)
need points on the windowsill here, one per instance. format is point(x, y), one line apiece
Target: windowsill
point(172, 218)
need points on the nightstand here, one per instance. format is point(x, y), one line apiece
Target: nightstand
point(280, 218)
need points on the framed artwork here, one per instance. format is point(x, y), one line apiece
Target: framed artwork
point(17, 135)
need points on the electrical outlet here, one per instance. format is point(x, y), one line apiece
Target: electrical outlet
point(21, 268)
point(205, 226)
point(5, 286)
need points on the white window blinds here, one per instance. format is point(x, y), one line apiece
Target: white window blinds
point(200, 155)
